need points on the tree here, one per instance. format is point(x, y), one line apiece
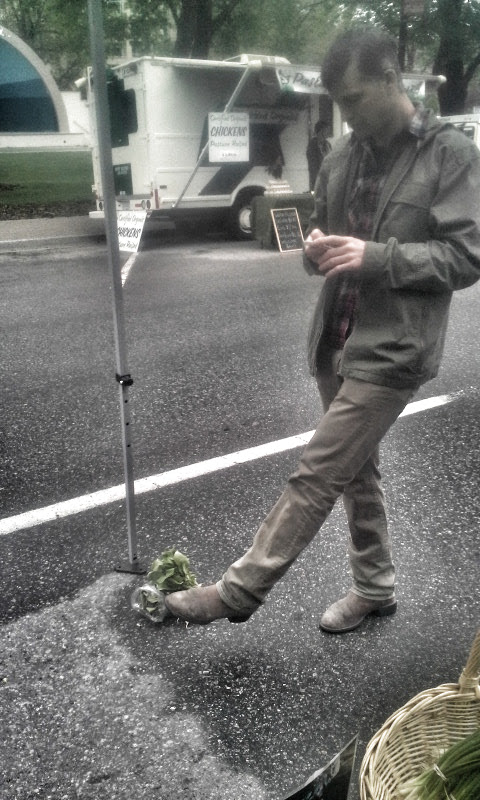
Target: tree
point(151, 28)
point(445, 40)
point(57, 30)
point(26, 18)
point(222, 28)
point(295, 29)
point(458, 52)
point(197, 22)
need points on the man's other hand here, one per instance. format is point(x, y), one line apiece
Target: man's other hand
point(336, 254)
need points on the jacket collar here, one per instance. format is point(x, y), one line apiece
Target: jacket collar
point(419, 124)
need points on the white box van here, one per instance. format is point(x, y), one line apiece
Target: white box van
point(469, 124)
point(159, 111)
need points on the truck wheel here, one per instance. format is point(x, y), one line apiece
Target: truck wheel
point(241, 215)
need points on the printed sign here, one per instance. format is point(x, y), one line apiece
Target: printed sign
point(287, 228)
point(295, 79)
point(228, 137)
point(273, 116)
point(130, 226)
point(332, 781)
point(415, 86)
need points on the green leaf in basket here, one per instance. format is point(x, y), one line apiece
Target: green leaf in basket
point(455, 776)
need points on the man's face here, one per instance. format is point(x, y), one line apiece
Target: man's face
point(366, 103)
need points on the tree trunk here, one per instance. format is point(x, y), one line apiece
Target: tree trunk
point(452, 95)
point(402, 40)
point(194, 29)
point(203, 29)
point(185, 32)
point(449, 61)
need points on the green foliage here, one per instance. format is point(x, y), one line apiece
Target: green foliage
point(297, 30)
point(444, 39)
point(57, 30)
point(456, 774)
point(151, 28)
point(171, 572)
point(28, 178)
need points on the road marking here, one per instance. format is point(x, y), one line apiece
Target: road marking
point(52, 238)
point(127, 267)
point(115, 494)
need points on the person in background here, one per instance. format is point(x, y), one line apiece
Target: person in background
point(317, 149)
point(396, 229)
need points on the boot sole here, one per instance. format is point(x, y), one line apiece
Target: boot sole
point(207, 622)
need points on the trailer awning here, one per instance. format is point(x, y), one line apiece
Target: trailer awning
point(306, 80)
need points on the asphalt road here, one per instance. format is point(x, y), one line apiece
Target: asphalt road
point(96, 702)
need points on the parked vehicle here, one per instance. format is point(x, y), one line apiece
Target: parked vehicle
point(469, 124)
point(159, 113)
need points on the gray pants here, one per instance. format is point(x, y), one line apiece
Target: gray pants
point(341, 457)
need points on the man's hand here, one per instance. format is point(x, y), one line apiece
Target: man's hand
point(334, 254)
point(313, 245)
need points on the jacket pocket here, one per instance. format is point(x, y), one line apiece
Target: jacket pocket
point(407, 214)
point(414, 193)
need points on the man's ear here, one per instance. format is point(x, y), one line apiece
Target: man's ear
point(391, 77)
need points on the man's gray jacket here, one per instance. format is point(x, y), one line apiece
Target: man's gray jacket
point(425, 244)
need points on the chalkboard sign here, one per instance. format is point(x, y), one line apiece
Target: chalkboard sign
point(287, 228)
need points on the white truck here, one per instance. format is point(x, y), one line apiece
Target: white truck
point(469, 124)
point(159, 113)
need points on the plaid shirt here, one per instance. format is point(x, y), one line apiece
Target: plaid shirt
point(371, 176)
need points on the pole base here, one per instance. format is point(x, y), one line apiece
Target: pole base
point(134, 567)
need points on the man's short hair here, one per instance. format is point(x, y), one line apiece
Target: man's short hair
point(372, 49)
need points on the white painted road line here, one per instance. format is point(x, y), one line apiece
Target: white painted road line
point(53, 237)
point(77, 505)
point(127, 267)
point(425, 405)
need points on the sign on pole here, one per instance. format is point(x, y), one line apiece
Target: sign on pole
point(130, 227)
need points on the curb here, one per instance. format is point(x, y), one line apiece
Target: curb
point(22, 232)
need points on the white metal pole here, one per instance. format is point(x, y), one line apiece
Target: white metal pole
point(124, 379)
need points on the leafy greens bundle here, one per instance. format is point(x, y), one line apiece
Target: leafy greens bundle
point(455, 776)
point(169, 573)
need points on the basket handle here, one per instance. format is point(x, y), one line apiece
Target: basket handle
point(470, 677)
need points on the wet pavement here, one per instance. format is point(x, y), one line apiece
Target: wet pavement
point(96, 702)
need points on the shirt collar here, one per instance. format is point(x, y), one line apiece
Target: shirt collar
point(418, 123)
point(417, 126)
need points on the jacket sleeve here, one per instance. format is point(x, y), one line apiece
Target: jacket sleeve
point(449, 257)
point(318, 218)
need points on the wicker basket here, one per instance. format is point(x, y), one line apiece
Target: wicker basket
point(410, 741)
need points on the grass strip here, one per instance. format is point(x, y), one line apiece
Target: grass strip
point(45, 179)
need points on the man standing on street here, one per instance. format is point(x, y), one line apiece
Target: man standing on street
point(396, 229)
